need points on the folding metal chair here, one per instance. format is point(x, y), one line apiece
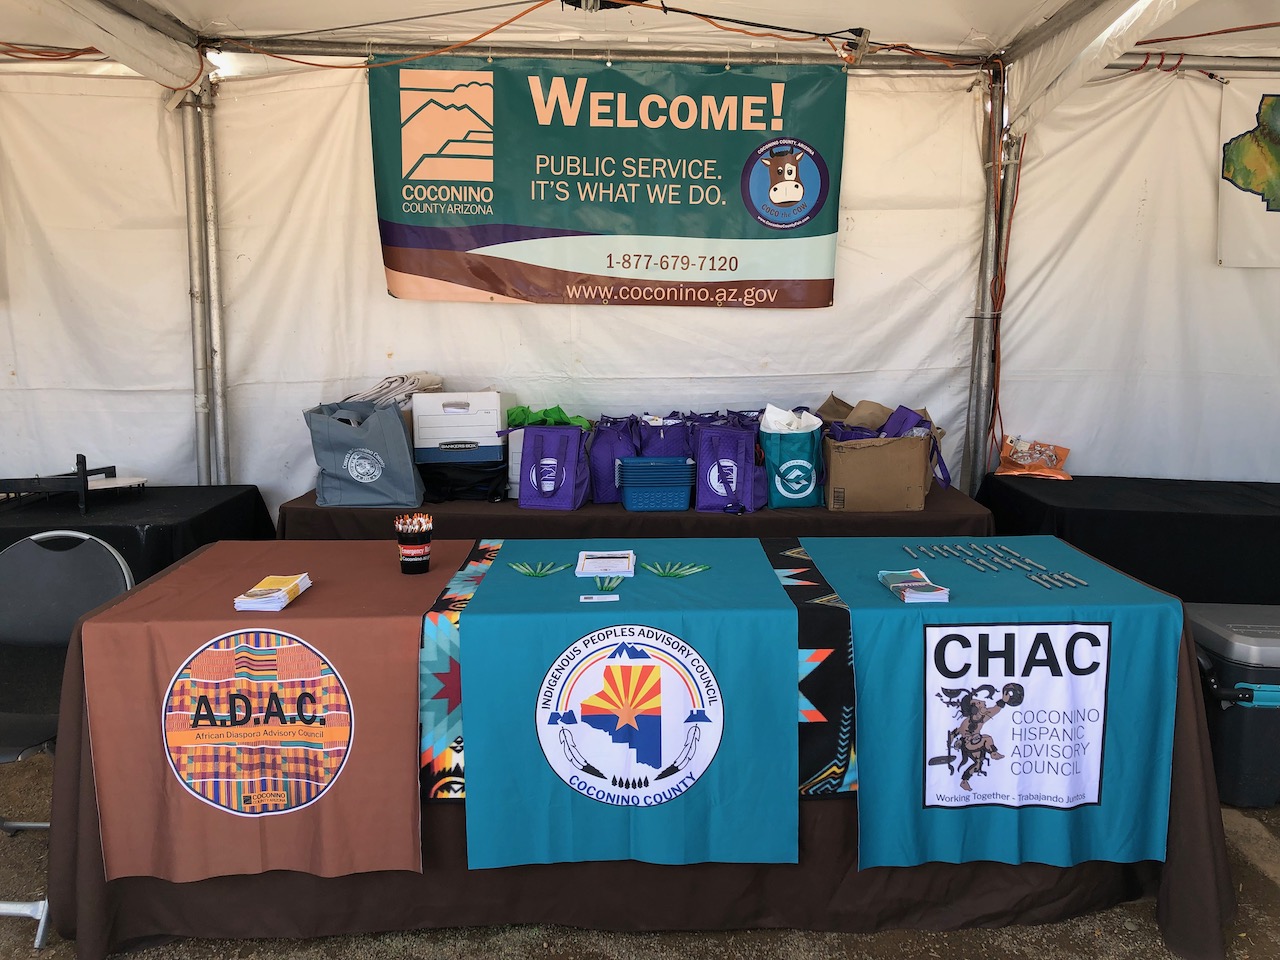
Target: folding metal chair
point(47, 581)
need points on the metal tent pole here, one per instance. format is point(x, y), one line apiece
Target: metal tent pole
point(218, 380)
point(191, 157)
point(982, 355)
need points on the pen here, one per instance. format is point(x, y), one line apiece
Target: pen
point(925, 551)
point(964, 551)
point(1072, 576)
point(978, 548)
point(1036, 579)
point(975, 565)
point(910, 553)
point(1020, 564)
point(1008, 550)
point(1036, 565)
point(989, 564)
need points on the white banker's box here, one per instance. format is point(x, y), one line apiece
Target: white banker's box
point(458, 427)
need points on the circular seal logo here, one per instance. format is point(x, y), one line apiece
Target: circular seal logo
point(795, 479)
point(785, 183)
point(256, 723)
point(363, 464)
point(722, 478)
point(630, 716)
point(546, 474)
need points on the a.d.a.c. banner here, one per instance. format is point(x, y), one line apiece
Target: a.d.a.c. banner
point(650, 184)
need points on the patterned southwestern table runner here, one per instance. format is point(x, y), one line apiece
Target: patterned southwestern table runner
point(657, 726)
point(235, 743)
point(826, 762)
point(1018, 722)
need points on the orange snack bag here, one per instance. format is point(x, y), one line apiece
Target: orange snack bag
point(1032, 458)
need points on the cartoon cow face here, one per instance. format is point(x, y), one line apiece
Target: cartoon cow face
point(785, 188)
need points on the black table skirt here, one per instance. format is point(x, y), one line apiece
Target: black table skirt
point(946, 513)
point(1205, 541)
point(151, 526)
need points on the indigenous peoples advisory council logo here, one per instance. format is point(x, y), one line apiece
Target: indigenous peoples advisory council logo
point(629, 715)
point(257, 722)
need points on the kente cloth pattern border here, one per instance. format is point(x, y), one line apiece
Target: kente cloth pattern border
point(828, 762)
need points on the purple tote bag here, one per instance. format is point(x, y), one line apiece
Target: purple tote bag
point(553, 468)
point(612, 439)
point(728, 478)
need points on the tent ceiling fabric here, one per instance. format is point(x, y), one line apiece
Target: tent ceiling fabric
point(974, 28)
point(971, 28)
point(126, 39)
point(1049, 72)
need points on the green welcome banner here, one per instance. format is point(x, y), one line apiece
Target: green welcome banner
point(649, 184)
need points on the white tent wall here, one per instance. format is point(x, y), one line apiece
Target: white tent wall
point(1122, 337)
point(95, 349)
point(308, 318)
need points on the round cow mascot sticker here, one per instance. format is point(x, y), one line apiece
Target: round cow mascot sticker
point(785, 183)
point(630, 716)
point(257, 722)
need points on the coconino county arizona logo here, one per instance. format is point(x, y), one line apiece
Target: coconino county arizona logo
point(630, 716)
point(256, 722)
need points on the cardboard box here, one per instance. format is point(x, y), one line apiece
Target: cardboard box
point(458, 427)
point(880, 475)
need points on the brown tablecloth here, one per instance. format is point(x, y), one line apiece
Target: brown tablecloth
point(825, 891)
point(946, 513)
point(283, 728)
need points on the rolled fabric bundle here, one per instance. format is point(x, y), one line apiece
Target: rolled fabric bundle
point(400, 388)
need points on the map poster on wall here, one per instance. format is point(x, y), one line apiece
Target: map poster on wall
point(1249, 188)
point(648, 184)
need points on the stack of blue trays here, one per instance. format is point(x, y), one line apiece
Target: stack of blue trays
point(655, 483)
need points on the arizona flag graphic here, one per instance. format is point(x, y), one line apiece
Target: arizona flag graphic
point(629, 709)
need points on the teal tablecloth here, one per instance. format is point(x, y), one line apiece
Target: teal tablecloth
point(659, 726)
point(1015, 723)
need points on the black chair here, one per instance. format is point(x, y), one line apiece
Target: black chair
point(47, 581)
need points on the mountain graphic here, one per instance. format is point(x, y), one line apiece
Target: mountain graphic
point(446, 125)
point(628, 651)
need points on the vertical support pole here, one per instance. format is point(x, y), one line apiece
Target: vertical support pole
point(217, 363)
point(982, 355)
point(192, 168)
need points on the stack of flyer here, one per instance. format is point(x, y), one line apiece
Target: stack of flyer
point(606, 563)
point(914, 586)
point(273, 593)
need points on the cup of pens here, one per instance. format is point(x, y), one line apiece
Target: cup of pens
point(413, 535)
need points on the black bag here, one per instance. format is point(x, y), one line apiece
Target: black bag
point(464, 481)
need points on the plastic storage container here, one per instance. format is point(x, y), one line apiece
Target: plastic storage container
point(655, 483)
point(1238, 646)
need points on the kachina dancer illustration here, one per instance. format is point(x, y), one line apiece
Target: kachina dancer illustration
point(967, 743)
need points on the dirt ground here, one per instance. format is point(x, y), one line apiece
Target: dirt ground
point(1125, 932)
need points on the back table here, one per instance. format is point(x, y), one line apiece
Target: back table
point(1206, 541)
point(151, 526)
point(824, 891)
point(946, 513)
